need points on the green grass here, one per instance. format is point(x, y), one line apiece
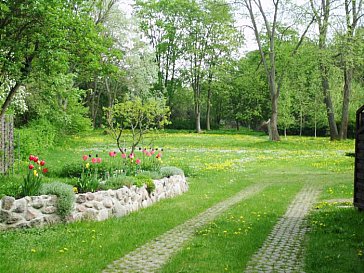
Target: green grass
point(227, 243)
point(219, 164)
point(335, 243)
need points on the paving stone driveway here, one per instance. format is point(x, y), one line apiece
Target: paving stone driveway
point(153, 255)
point(282, 250)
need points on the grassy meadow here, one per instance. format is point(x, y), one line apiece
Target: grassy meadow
point(218, 165)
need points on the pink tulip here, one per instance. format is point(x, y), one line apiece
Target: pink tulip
point(159, 155)
point(98, 160)
point(131, 156)
point(148, 154)
point(84, 157)
point(123, 155)
point(138, 161)
point(94, 160)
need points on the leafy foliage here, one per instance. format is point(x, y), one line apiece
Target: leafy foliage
point(65, 194)
point(138, 116)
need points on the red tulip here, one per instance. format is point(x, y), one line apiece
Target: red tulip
point(42, 163)
point(31, 157)
point(35, 159)
point(84, 157)
point(45, 170)
point(138, 161)
point(31, 166)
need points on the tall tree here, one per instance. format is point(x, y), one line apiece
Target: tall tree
point(321, 13)
point(353, 12)
point(53, 36)
point(267, 60)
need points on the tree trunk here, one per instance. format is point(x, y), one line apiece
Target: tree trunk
point(301, 121)
point(9, 99)
point(348, 75)
point(334, 135)
point(274, 136)
point(274, 117)
point(208, 110)
point(198, 118)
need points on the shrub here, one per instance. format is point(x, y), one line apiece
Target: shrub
point(152, 174)
point(66, 196)
point(145, 180)
point(39, 134)
point(117, 182)
point(10, 185)
point(170, 171)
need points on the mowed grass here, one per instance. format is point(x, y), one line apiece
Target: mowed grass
point(219, 165)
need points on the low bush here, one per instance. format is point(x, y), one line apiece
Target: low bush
point(146, 180)
point(66, 196)
point(117, 182)
point(170, 171)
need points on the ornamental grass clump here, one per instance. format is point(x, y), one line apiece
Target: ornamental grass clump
point(32, 181)
point(65, 194)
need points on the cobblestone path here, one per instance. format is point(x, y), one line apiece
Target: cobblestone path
point(282, 250)
point(153, 255)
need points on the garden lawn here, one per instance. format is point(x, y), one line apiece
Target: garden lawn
point(219, 165)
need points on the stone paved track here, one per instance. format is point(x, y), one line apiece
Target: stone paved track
point(282, 250)
point(153, 255)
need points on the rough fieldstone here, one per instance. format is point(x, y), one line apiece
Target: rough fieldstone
point(13, 219)
point(37, 204)
point(7, 202)
point(23, 224)
point(108, 203)
point(49, 210)
point(90, 196)
point(80, 208)
point(118, 210)
point(89, 205)
point(36, 222)
point(119, 194)
point(52, 219)
point(103, 215)
point(81, 198)
point(20, 205)
point(90, 214)
point(98, 205)
point(30, 214)
point(4, 216)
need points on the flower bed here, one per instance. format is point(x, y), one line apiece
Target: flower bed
point(38, 211)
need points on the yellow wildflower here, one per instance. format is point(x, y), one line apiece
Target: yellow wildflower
point(87, 165)
point(35, 173)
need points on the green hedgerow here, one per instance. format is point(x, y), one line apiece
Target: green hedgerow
point(65, 194)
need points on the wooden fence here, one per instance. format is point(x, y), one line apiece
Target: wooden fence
point(6, 144)
point(359, 160)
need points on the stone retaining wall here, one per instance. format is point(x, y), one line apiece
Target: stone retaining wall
point(37, 211)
